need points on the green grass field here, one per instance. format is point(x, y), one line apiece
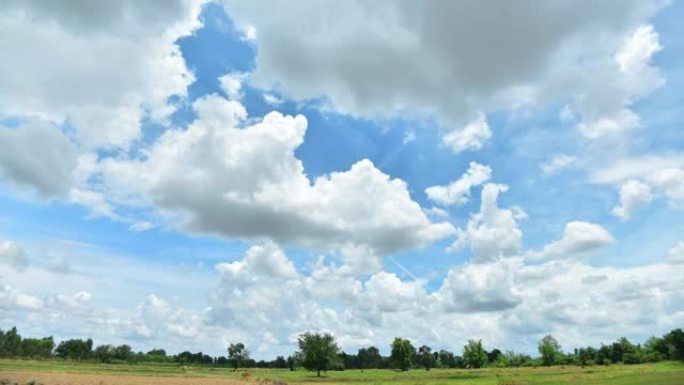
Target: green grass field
point(666, 373)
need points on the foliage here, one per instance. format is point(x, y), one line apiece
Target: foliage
point(550, 349)
point(426, 358)
point(237, 354)
point(404, 355)
point(402, 351)
point(75, 349)
point(318, 352)
point(474, 354)
point(369, 358)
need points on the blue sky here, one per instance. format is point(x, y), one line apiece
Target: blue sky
point(149, 196)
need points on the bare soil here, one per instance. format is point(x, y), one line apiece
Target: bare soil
point(23, 378)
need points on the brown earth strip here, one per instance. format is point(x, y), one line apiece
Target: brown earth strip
point(46, 378)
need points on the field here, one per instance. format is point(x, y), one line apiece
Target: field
point(69, 373)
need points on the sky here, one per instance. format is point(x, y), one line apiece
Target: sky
point(185, 174)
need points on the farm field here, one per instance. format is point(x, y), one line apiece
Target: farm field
point(58, 372)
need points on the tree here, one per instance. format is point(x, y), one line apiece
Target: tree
point(447, 359)
point(104, 353)
point(75, 349)
point(292, 362)
point(514, 359)
point(426, 358)
point(237, 354)
point(493, 355)
point(474, 354)
point(674, 341)
point(280, 362)
point(10, 342)
point(318, 352)
point(549, 348)
point(369, 358)
point(586, 356)
point(402, 350)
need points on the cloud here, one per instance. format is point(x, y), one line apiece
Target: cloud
point(12, 254)
point(231, 84)
point(408, 137)
point(458, 191)
point(594, 279)
point(481, 287)
point(558, 163)
point(264, 301)
point(244, 182)
point(272, 100)
point(39, 156)
point(669, 181)
point(101, 67)
point(636, 167)
point(643, 179)
point(304, 52)
point(634, 195)
point(676, 254)
point(260, 261)
point(471, 137)
point(492, 233)
point(385, 292)
point(579, 238)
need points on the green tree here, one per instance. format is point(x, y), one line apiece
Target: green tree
point(10, 343)
point(447, 359)
point(474, 354)
point(104, 353)
point(369, 357)
point(549, 348)
point(75, 349)
point(426, 358)
point(674, 341)
point(237, 354)
point(402, 350)
point(318, 352)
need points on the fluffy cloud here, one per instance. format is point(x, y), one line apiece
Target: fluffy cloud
point(670, 181)
point(634, 195)
point(231, 84)
point(263, 300)
point(303, 51)
point(578, 238)
point(676, 254)
point(607, 111)
point(245, 182)
point(493, 232)
point(39, 156)
point(481, 287)
point(100, 66)
point(643, 179)
point(458, 191)
point(14, 255)
point(471, 137)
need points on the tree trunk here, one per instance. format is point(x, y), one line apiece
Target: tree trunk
point(319, 373)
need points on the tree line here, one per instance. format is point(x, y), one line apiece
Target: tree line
point(320, 353)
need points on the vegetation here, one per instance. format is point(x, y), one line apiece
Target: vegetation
point(402, 351)
point(474, 355)
point(56, 371)
point(320, 353)
point(237, 354)
point(550, 350)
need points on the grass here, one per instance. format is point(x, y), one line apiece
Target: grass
point(665, 373)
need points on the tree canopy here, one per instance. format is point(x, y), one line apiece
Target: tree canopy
point(318, 352)
point(237, 354)
point(402, 351)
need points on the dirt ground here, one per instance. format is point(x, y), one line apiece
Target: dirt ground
point(22, 378)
